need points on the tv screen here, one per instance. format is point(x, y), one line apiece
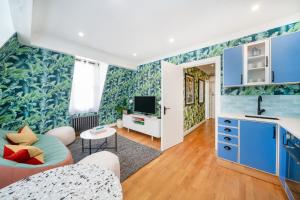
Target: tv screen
point(144, 104)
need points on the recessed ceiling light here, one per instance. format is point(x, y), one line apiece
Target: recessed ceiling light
point(134, 54)
point(171, 40)
point(80, 34)
point(255, 7)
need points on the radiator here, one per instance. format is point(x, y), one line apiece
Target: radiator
point(81, 124)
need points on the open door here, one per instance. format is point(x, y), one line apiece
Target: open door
point(171, 105)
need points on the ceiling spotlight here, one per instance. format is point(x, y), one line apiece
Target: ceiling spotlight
point(255, 7)
point(80, 34)
point(134, 54)
point(171, 40)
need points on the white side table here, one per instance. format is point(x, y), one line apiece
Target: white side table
point(108, 132)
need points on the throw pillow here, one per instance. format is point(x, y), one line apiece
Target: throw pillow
point(23, 154)
point(25, 136)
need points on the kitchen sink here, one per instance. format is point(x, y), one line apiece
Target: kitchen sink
point(261, 117)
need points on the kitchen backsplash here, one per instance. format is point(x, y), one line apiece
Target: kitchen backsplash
point(275, 105)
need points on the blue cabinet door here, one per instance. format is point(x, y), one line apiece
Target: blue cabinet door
point(285, 58)
point(233, 66)
point(258, 145)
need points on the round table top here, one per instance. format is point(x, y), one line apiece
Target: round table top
point(87, 135)
point(78, 181)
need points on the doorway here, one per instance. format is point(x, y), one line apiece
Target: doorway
point(168, 138)
point(210, 88)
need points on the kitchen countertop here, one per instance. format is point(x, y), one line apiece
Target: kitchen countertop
point(292, 125)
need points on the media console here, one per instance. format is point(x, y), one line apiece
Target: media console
point(141, 123)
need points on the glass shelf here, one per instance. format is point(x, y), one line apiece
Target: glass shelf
point(255, 63)
point(256, 57)
point(257, 68)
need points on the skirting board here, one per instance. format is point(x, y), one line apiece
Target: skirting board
point(193, 128)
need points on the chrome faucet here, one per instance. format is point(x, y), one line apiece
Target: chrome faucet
point(259, 110)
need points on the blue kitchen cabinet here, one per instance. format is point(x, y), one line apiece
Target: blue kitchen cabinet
point(258, 145)
point(233, 66)
point(285, 58)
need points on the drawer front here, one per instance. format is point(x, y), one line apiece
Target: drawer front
point(228, 152)
point(228, 130)
point(228, 139)
point(228, 122)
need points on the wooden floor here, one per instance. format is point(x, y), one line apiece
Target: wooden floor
point(140, 138)
point(190, 171)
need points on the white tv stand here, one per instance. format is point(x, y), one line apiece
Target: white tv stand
point(145, 124)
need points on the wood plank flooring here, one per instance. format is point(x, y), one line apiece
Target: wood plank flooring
point(140, 138)
point(190, 171)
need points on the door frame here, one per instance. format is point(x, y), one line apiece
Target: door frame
point(213, 60)
point(207, 100)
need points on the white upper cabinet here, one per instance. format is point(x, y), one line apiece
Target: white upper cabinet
point(256, 63)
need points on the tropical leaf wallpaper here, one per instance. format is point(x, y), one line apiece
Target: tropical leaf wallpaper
point(117, 89)
point(195, 113)
point(35, 83)
point(147, 82)
point(123, 84)
point(35, 87)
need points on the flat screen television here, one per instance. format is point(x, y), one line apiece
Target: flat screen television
point(144, 104)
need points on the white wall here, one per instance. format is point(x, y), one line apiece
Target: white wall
point(6, 25)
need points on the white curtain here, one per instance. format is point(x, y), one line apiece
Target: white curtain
point(87, 86)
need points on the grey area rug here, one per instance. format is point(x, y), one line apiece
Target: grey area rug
point(132, 155)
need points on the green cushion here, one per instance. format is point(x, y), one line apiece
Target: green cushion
point(54, 151)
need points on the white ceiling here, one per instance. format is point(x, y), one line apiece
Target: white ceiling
point(6, 26)
point(115, 29)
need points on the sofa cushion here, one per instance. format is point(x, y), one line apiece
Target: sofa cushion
point(25, 136)
point(24, 154)
point(54, 151)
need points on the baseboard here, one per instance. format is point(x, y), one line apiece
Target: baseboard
point(193, 128)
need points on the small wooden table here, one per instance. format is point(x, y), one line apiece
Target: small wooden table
point(108, 132)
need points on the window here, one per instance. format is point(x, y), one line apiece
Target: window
point(87, 86)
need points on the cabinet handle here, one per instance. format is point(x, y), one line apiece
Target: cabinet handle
point(227, 129)
point(273, 76)
point(227, 138)
point(227, 148)
point(267, 61)
point(284, 140)
point(274, 132)
point(227, 121)
point(241, 78)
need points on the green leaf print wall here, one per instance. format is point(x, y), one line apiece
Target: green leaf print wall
point(35, 87)
point(118, 87)
point(35, 83)
point(123, 84)
point(195, 113)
